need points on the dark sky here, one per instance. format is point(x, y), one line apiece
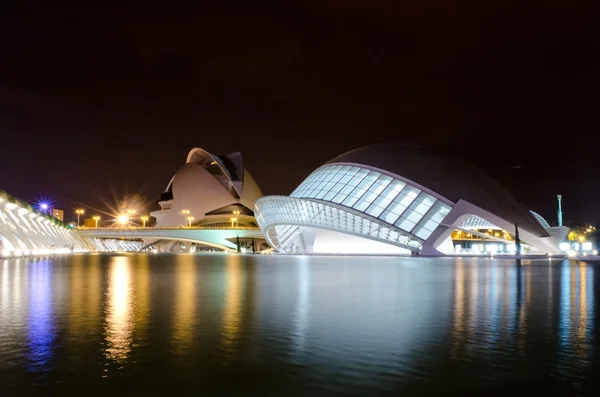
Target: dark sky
point(102, 101)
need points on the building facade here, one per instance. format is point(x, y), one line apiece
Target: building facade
point(395, 199)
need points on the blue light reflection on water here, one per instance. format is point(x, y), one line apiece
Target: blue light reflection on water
point(41, 330)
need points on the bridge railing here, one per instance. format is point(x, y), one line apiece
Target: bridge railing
point(133, 228)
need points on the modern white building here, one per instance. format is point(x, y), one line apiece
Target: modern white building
point(211, 189)
point(394, 199)
point(24, 231)
point(214, 193)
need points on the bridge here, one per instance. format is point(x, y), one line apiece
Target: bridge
point(221, 238)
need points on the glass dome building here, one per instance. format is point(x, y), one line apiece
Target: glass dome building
point(393, 199)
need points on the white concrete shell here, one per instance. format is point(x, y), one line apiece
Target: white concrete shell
point(398, 195)
point(204, 184)
point(25, 232)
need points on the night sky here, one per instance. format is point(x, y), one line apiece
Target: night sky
point(100, 102)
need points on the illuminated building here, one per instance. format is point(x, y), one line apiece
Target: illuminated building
point(394, 199)
point(210, 189)
point(25, 231)
point(58, 214)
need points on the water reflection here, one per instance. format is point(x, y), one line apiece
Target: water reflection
point(298, 326)
point(185, 303)
point(78, 295)
point(141, 303)
point(232, 316)
point(459, 306)
point(41, 328)
point(119, 321)
point(301, 316)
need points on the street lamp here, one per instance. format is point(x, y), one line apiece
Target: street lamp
point(236, 213)
point(144, 219)
point(123, 219)
point(190, 219)
point(233, 220)
point(79, 212)
point(185, 213)
point(96, 218)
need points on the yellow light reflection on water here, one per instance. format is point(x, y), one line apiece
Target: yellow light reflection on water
point(119, 321)
point(185, 303)
point(77, 292)
point(232, 320)
point(142, 296)
point(459, 306)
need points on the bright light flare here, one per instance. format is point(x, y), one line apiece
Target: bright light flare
point(123, 219)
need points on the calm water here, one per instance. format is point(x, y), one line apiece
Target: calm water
point(294, 326)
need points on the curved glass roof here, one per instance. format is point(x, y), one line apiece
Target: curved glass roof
point(390, 200)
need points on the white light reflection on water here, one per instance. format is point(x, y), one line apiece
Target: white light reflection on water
point(301, 322)
point(119, 319)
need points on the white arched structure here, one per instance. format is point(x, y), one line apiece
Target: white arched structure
point(210, 189)
point(393, 199)
point(23, 231)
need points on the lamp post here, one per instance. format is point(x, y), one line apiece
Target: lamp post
point(185, 214)
point(96, 218)
point(79, 212)
point(190, 219)
point(232, 222)
point(144, 219)
point(236, 215)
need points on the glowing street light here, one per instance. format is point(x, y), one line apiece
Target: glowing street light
point(233, 220)
point(79, 212)
point(190, 219)
point(144, 219)
point(96, 218)
point(185, 213)
point(123, 219)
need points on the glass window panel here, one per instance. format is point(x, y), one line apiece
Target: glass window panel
point(423, 233)
point(362, 173)
point(350, 201)
point(357, 192)
point(337, 187)
point(405, 224)
point(355, 181)
point(345, 178)
point(375, 210)
point(396, 208)
point(321, 194)
point(347, 189)
point(372, 176)
point(426, 199)
point(340, 197)
point(329, 196)
point(329, 185)
point(321, 185)
point(365, 184)
point(389, 217)
point(361, 205)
